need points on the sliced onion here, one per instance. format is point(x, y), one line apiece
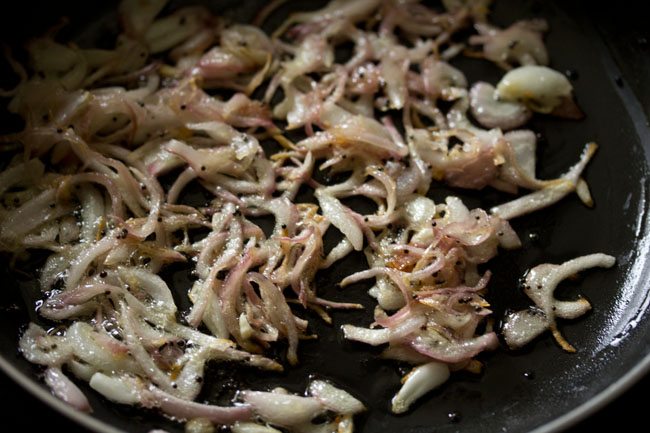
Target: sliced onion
point(341, 218)
point(418, 382)
point(334, 398)
point(493, 113)
point(283, 409)
point(521, 327)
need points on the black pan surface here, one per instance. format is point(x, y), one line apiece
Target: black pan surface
point(540, 388)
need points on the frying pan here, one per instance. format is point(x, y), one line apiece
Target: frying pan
point(537, 389)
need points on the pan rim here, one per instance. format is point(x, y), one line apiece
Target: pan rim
point(599, 401)
point(569, 419)
point(30, 384)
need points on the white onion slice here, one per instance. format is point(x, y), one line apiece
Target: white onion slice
point(283, 409)
point(418, 382)
point(334, 398)
point(341, 218)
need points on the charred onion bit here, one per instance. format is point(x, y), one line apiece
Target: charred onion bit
point(118, 140)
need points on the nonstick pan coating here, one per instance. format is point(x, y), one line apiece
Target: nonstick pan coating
point(540, 387)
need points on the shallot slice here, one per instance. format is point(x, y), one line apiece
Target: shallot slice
point(436, 347)
point(491, 112)
point(25, 173)
point(66, 390)
point(541, 89)
point(281, 409)
point(341, 218)
point(130, 391)
point(520, 43)
point(551, 193)
point(418, 382)
point(521, 327)
point(251, 427)
point(334, 398)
